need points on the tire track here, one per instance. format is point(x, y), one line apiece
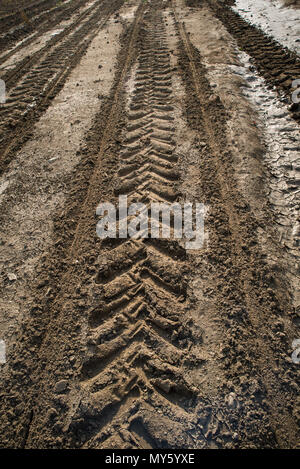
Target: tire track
point(39, 79)
point(12, 25)
point(31, 7)
point(12, 76)
point(245, 227)
point(28, 426)
point(278, 65)
point(42, 23)
point(136, 345)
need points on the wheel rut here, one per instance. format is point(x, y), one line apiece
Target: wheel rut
point(13, 28)
point(136, 355)
point(35, 81)
point(278, 65)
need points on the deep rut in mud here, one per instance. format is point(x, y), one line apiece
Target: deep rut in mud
point(137, 340)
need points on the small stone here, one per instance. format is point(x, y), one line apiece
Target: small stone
point(61, 386)
point(231, 400)
point(2, 352)
point(52, 413)
point(11, 277)
point(72, 359)
point(165, 385)
point(53, 159)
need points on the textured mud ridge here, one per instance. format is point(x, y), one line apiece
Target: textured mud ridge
point(250, 317)
point(141, 344)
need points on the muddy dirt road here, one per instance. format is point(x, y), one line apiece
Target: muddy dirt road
point(142, 343)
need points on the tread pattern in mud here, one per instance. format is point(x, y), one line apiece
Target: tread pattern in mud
point(276, 64)
point(27, 32)
point(37, 79)
point(137, 345)
point(10, 16)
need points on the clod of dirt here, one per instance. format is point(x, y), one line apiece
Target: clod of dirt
point(11, 277)
point(61, 386)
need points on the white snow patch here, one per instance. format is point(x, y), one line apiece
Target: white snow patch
point(274, 19)
point(283, 152)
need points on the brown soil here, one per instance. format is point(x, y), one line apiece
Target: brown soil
point(140, 343)
point(34, 81)
point(48, 15)
point(294, 3)
point(24, 14)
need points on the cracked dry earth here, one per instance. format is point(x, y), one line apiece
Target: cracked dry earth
point(140, 343)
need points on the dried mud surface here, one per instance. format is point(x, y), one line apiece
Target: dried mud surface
point(140, 343)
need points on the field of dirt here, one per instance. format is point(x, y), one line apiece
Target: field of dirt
point(141, 343)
